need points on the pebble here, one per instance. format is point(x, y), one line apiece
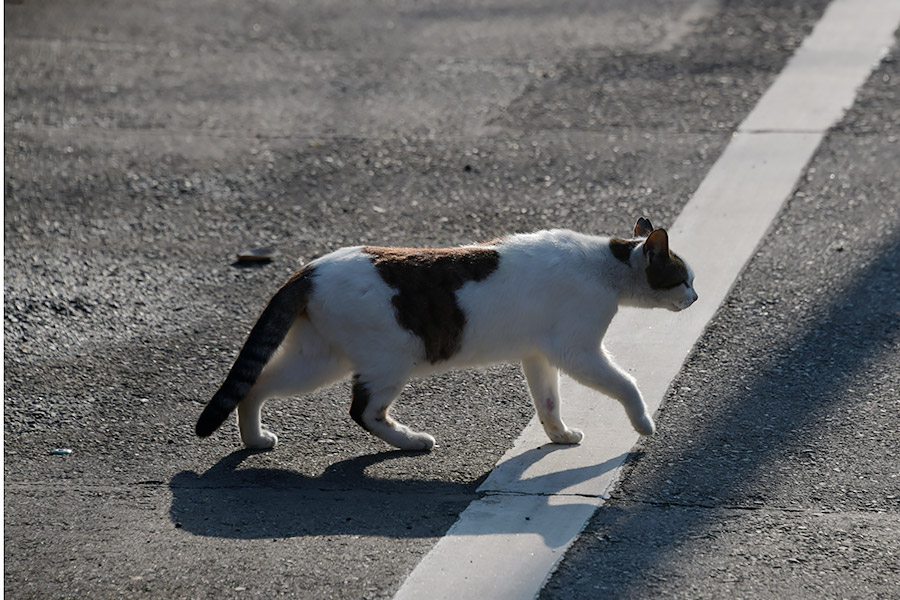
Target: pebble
point(256, 256)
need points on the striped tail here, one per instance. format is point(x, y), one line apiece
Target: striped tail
point(265, 337)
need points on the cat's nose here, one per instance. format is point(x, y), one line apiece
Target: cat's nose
point(695, 298)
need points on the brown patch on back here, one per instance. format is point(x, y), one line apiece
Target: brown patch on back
point(666, 272)
point(426, 281)
point(621, 249)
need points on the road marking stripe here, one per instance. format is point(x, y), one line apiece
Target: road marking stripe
point(539, 497)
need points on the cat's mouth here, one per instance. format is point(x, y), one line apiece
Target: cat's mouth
point(676, 307)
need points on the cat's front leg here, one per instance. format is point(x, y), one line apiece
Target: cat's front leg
point(543, 381)
point(595, 369)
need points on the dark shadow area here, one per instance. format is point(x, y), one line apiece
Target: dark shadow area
point(731, 459)
point(231, 502)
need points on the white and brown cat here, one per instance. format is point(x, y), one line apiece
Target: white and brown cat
point(384, 315)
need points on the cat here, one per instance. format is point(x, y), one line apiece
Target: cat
point(384, 315)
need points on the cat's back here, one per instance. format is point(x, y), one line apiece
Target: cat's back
point(542, 270)
point(553, 251)
point(553, 254)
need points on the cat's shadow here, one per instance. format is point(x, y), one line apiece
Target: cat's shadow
point(257, 503)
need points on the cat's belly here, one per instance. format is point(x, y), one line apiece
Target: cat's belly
point(424, 368)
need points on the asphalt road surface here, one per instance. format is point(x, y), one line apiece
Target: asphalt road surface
point(147, 144)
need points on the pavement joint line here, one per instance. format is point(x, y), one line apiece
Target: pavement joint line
point(748, 184)
point(262, 136)
point(493, 493)
point(706, 506)
point(776, 131)
point(816, 512)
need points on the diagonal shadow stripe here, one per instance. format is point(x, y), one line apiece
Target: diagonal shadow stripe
point(727, 462)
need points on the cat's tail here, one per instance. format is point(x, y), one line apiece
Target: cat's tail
point(265, 337)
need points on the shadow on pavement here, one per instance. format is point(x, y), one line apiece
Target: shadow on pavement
point(230, 502)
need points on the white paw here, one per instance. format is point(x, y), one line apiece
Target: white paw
point(644, 425)
point(418, 441)
point(264, 441)
point(569, 436)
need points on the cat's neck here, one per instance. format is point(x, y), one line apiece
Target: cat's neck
point(626, 277)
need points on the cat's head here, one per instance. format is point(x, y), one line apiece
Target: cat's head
point(669, 279)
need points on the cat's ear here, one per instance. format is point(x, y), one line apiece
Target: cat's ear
point(643, 228)
point(657, 245)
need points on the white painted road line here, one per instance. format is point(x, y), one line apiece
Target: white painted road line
point(539, 497)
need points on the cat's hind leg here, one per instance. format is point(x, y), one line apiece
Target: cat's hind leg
point(253, 435)
point(303, 364)
point(595, 369)
point(369, 408)
point(543, 381)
